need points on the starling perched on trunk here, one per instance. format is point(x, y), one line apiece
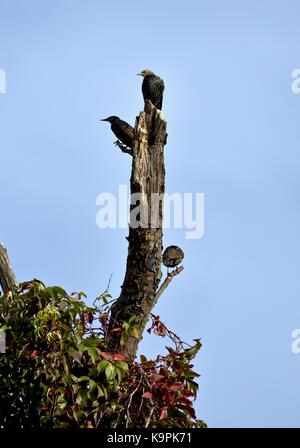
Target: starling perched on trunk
point(122, 130)
point(152, 88)
point(172, 256)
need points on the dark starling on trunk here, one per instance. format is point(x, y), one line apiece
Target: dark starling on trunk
point(172, 256)
point(152, 88)
point(122, 130)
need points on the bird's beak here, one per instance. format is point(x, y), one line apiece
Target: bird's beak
point(103, 119)
point(140, 74)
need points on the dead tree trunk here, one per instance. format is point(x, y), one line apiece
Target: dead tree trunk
point(143, 270)
point(7, 276)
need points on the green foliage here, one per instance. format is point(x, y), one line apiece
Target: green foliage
point(58, 372)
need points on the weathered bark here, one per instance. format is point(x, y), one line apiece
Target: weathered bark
point(7, 276)
point(143, 270)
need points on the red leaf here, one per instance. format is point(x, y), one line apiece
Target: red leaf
point(117, 329)
point(175, 387)
point(89, 424)
point(106, 356)
point(163, 414)
point(33, 354)
point(188, 393)
point(119, 357)
point(190, 410)
point(185, 401)
point(147, 394)
point(155, 377)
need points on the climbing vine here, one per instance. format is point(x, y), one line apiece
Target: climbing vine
point(57, 370)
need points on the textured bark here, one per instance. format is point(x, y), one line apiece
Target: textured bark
point(7, 276)
point(143, 270)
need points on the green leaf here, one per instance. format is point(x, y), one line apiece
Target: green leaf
point(121, 364)
point(75, 354)
point(94, 353)
point(110, 372)
point(92, 384)
point(102, 366)
point(61, 402)
point(82, 378)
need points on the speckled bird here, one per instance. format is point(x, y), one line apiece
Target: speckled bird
point(122, 130)
point(172, 256)
point(152, 88)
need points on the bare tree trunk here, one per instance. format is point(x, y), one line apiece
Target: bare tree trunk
point(7, 276)
point(143, 270)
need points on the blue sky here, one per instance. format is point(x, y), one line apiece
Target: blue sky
point(233, 127)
